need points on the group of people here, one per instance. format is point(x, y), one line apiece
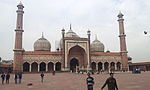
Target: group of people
point(17, 77)
point(5, 76)
point(110, 82)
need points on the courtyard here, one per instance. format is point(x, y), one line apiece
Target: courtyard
point(73, 81)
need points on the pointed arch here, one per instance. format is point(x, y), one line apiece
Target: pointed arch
point(93, 66)
point(50, 66)
point(73, 64)
point(42, 66)
point(34, 67)
point(112, 66)
point(100, 66)
point(77, 52)
point(26, 67)
point(118, 66)
point(106, 66)
point(58, 66)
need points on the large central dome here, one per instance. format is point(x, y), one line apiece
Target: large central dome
point(42, 44)
point(97, 46)
point(70, 33)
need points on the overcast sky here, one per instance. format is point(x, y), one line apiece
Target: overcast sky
point(100, 16)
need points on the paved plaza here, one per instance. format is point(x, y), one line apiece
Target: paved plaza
point(72, 81)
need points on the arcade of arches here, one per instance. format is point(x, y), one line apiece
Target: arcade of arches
point(106, 66)
point(48, 67)
point(41, 67)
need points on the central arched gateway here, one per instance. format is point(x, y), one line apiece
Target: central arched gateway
point(77, 55)
point(73, 64)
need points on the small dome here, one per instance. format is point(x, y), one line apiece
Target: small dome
point(20, 5)
point(120, 15)
point(42, 44)
point(97, 46)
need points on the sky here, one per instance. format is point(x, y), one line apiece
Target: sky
point(99, 16)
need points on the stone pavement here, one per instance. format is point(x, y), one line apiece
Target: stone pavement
point(72, 81)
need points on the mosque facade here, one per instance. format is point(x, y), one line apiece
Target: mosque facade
point(74, 52)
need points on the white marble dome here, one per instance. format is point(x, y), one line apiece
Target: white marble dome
point(42, 44)
point(97, 46)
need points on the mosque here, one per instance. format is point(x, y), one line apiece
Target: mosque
point(74, 52)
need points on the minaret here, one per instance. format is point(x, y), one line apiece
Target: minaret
point(18, 50)
point(123, 48)
point(89, 50)
point(63, 47)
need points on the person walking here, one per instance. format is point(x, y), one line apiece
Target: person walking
point(16, 78)
point(42, 77)
point(3, 77)
point(7, 78)
point(90, 82)
point(111, 82)
point(20, 77)
point(53, 73)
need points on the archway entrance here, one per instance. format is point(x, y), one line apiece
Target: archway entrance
point(118, 66)
point(42, 66)
point(112, 66)
point(100, 66)
point(50, 66)
point(34, 67)
point(78, 56)
point(106, 66)
point(58, 66)
point(26, 67)
point(93, 66)
point(73, 64)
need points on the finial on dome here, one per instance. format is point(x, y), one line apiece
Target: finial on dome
point(70, 26)
point(20, 3)
point(42, 35)
point(95, 36)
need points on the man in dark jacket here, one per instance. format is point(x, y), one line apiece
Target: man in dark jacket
point(3, 77)
point(7, 78)
point(111, 82)
point(90, 82)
